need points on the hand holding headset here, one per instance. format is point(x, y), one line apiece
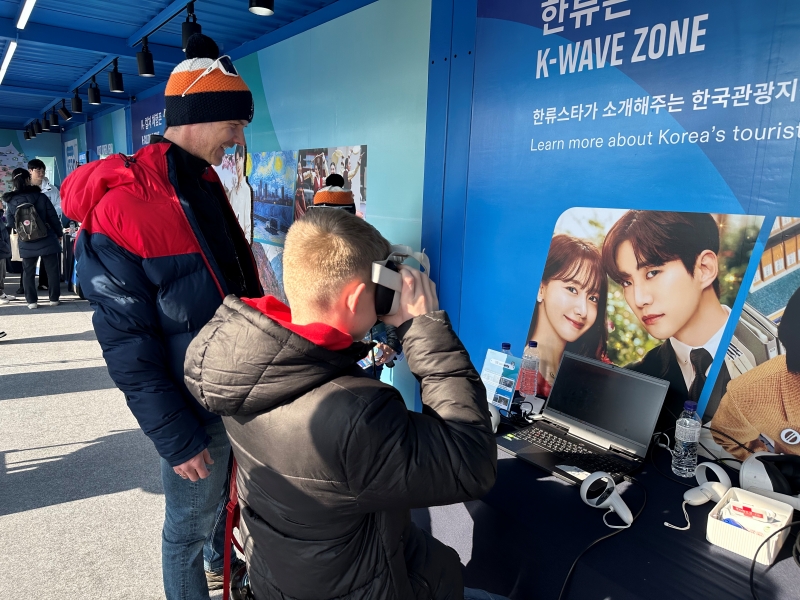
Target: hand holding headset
point(392, 298)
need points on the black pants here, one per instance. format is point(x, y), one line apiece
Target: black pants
point(50, 264)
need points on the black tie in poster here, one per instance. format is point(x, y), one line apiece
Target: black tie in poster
point(701, 359)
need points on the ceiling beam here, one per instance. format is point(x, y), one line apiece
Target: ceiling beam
point(52, 93)
point(19, 113)
point(84, 40)
point(156, 22)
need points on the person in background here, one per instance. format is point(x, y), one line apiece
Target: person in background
point(761, 408)
point(570, 311)
point(5, 254)
point(159, 249)
point(46, 248)
point(37, 170)
point(330, 460)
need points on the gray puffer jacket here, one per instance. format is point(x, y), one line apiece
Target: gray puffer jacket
point(331, 461)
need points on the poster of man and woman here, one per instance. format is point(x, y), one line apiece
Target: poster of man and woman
point(653, 291)
point(268, 191)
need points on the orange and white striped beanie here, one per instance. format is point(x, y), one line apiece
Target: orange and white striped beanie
point(214, 97)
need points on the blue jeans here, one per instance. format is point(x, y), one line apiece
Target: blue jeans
point(193, 537)
point(473, 594)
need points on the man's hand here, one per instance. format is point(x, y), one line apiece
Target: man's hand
point(195, 468)
point(388, 354)
point(417, 298)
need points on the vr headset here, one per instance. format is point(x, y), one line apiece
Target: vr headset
point(776, 476)
point(389, 282)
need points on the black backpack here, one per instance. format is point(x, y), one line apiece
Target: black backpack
point(28, 223)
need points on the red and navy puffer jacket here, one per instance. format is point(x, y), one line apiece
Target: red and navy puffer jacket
point(153, 283)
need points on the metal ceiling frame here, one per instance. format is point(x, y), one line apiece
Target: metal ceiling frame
point(304, 13)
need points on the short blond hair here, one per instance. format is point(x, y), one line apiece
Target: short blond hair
point(324, 251)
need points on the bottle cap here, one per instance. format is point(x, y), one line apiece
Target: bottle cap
point(505, 346)
point(690, 405)
point(533, 344)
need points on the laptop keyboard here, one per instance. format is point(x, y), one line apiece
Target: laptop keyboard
point(576, 455)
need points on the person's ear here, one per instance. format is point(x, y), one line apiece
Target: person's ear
point(706, 268)
point(354, 296)
point(540, 295)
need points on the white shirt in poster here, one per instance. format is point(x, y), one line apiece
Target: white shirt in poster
point(683, 352)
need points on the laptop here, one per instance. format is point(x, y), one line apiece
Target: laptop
point(599, 417)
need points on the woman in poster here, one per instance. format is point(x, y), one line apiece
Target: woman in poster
point(570, 306)
point(240, 195)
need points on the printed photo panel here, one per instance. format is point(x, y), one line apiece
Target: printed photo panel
point(642, 290)
point(760, 410)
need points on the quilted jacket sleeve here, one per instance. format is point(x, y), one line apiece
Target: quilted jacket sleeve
point(126, 322)
point(399, 459)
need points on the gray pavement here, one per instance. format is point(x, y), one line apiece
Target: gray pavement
point(81, 503)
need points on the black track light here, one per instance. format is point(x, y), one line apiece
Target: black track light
point(190, 26)
point(45, 123)
point(115, 79)
point(37, 127)
point(63, 110)
point(94, 92)
point(145, 61)
point(53, 119)
point(32, 130)
point(27, 134)
point(77, 104)
point(264, 8)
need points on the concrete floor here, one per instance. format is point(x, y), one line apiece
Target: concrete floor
point(81, 503)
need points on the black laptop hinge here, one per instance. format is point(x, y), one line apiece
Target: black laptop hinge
point(623, 452)
point(556, 426)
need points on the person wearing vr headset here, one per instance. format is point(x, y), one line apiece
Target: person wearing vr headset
point(762, 406)
point(330, 460)
point(159, 249)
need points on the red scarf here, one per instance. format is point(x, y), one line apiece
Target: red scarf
point(320, 334)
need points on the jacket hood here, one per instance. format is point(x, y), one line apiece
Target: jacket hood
point(145, 173)
point(243, 362)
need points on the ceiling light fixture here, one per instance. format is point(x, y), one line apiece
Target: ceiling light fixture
point(94, 92)
point(27, 134)
point(115, 79)
point(264, 8)
point(144, 59)
point(53, 119)
point(25, 14)
point(45, 123)
point(190, 26)
point(77, 103)
point(63, 110)
point(37, 127)
point(12, 47)
point(32, 130)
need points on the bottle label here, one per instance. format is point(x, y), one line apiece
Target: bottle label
point(687, 434)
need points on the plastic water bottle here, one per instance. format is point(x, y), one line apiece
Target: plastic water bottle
point(687, 435)
point(529, 372)
point(505, 348)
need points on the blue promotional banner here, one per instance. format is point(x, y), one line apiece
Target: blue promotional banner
point(148, 117)
point(637, 157)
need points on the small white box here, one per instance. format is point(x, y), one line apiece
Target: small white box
point(743, 542)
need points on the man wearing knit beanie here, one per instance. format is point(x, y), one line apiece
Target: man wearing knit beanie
point(159, 249)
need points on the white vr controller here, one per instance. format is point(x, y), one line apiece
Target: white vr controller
point(598, 490)
point(708, 490)
point(386, 274)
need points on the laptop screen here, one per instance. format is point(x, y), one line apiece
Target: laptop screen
point(622, 402)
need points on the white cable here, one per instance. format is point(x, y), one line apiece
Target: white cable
point(611, 510)
point(685, 514)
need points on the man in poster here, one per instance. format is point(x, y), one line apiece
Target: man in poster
point(667, 265)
